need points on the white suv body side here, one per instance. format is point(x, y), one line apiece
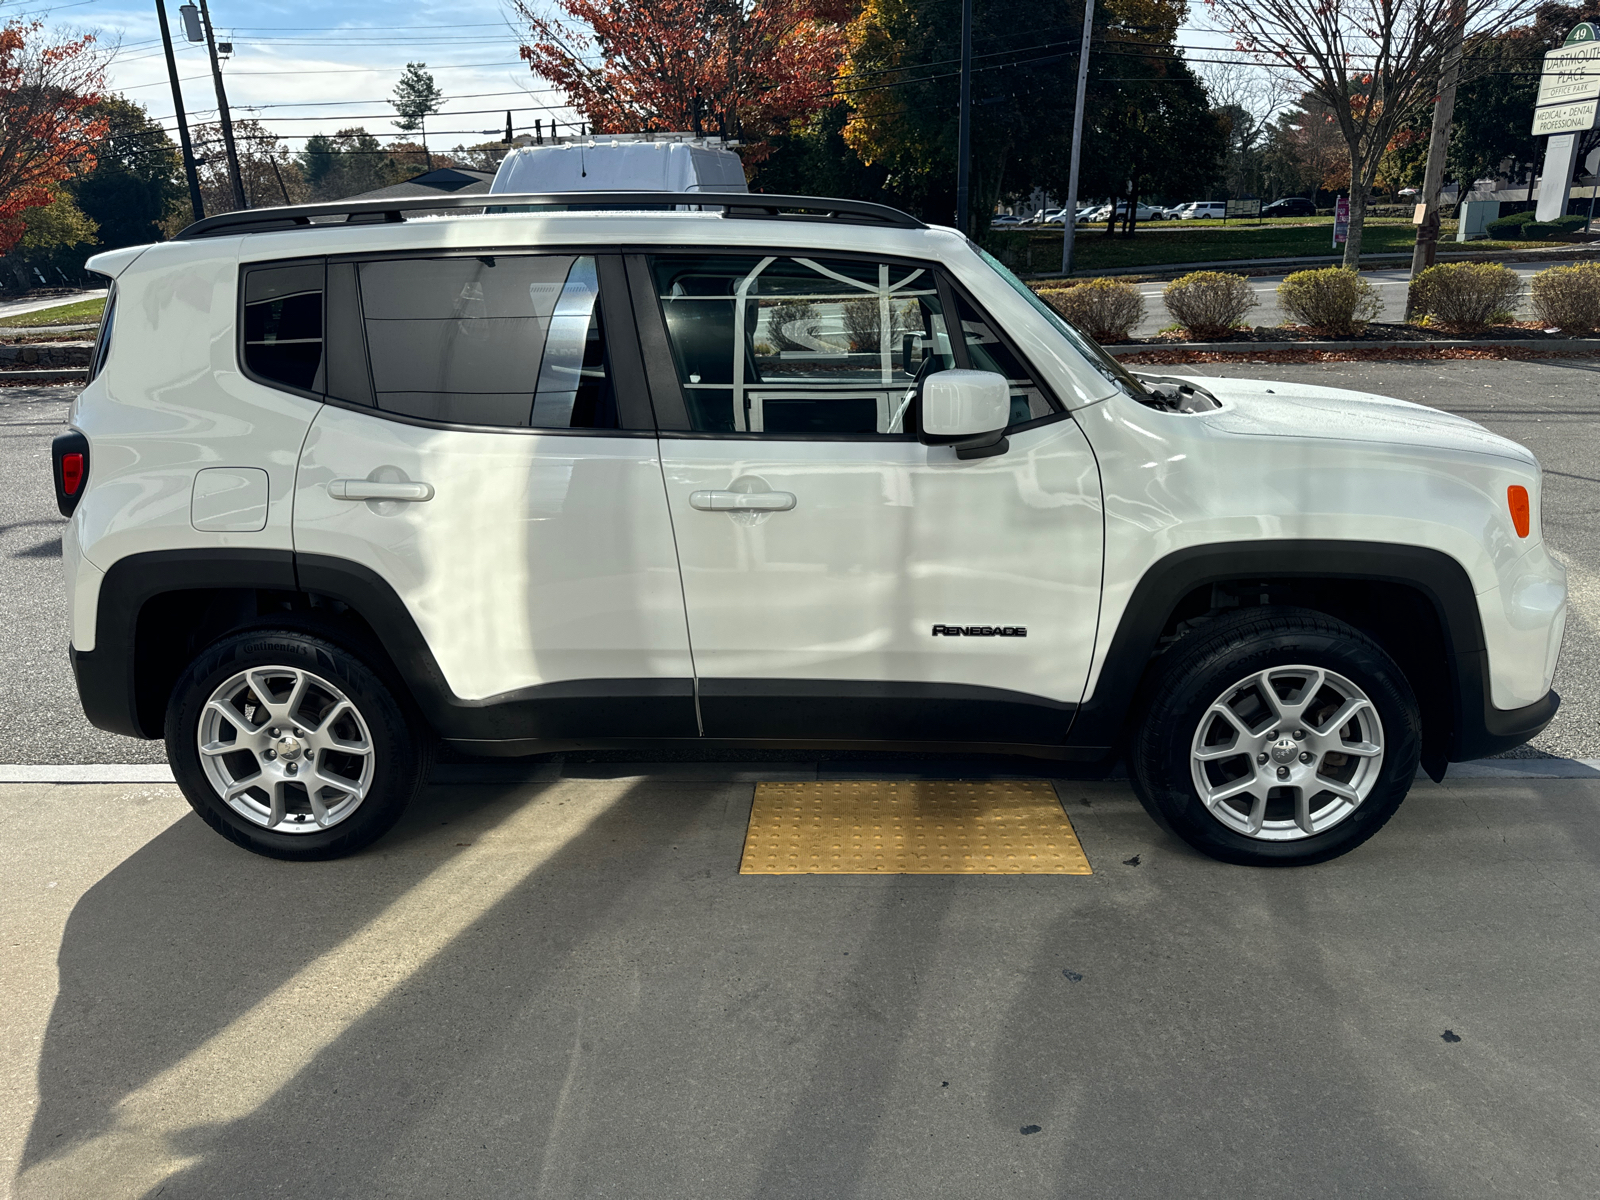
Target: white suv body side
point(546, 560)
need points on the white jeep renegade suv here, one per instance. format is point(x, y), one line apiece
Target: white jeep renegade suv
point(779, 472)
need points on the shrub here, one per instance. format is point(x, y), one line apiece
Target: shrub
point(1509, 227)
point(1208, 303)
point(862, 319)
point(1569, 297)
point(784, 316)
point(1465, 297)
point(1542, 230)
point(1573, 222)
point(1105, 309)
point(1332, 299)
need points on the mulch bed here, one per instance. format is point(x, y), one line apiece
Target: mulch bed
point(1377, 331)
point(1395, 354)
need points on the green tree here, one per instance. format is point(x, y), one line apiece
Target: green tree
point(137, 181)
point(1494, 110)
point(346, 164)
point(416, 98)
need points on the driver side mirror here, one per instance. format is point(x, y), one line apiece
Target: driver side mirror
point(966, 409)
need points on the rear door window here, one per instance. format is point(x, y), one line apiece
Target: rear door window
point(493, 339)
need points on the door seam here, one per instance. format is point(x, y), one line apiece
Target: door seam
point(688, 633)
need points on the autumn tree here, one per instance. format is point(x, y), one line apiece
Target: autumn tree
point(268, 171)
point(744, 69)
point(48, 125)
point(1373, 63)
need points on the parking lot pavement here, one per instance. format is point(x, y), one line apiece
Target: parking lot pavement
point(1389, 282)
point(567, 990)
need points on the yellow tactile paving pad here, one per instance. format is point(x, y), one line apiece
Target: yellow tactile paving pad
point(912, 827)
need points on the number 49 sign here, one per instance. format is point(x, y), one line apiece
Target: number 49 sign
point(1341, 220)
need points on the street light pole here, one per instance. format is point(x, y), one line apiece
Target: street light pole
point(223, 113)
point(1069, 213)
point(195, 202)
point(964, 138)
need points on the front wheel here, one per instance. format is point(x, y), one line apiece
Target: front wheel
point(291, 746)
point(1276, 739)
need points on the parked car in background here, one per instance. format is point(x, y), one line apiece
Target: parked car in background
point(1290, 206)
point(1203, 210)
point(1143, 213)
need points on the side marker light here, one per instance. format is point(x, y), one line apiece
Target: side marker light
point(1517, 502)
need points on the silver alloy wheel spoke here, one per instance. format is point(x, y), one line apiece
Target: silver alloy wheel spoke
point(1285, 765)
point(289, 785)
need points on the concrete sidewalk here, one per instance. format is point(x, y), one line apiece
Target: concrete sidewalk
point(565, 989)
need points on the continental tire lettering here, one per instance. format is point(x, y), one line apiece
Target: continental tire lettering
point(980, 631)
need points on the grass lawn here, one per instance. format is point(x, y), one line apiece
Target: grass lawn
point(1191, 241)
point(84, 312)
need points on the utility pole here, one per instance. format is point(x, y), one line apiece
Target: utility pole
point(964, 138)
point(1438, 144)
point(183, 124)
point(1069, 212)
point(222, 111)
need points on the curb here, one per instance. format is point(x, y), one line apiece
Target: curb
point(53, 375)
point(1568, 345)
point(737, 772)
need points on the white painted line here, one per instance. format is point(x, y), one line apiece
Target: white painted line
point(713, 771)
point(87, 773)
point(1526, 768)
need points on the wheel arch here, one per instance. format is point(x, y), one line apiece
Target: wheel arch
point(1416, 602)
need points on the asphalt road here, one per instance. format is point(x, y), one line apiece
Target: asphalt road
point(566, 990)
point(1390, 284)
point(1550, 406)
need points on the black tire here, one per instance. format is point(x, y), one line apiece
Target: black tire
point(1199, 669)
point(402, 749)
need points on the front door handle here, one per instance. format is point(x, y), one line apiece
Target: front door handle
point(742, 501)
point(372, 489)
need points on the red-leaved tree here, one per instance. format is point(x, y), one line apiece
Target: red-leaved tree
point(48, 127)
point(729, 67)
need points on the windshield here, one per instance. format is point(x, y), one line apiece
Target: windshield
point(1113, 371)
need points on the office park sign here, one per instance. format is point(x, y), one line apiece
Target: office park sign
point(1569, 86)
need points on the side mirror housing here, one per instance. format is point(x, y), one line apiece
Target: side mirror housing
point(966, 409)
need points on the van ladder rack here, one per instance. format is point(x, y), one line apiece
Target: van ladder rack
point(746, 205)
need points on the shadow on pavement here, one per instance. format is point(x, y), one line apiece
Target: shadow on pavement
point(618, 1013)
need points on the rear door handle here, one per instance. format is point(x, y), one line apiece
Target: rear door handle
point(371, 489)
point(742, 501)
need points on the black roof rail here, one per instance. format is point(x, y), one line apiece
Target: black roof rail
point(748, 205)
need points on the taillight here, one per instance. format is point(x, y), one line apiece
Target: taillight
point(71, 473)
point(70, 456)
point(1517, 502)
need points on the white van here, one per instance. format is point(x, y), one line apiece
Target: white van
point(1197, 210)
point(623, 163)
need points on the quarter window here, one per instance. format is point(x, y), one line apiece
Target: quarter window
point(798, 346)
point(283, 324)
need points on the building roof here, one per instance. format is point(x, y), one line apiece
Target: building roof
point(442, 181)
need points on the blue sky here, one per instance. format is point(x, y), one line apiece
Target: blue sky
point(304, 67)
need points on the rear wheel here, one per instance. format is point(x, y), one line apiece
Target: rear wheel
point(292, 746)
point(1276, 739)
